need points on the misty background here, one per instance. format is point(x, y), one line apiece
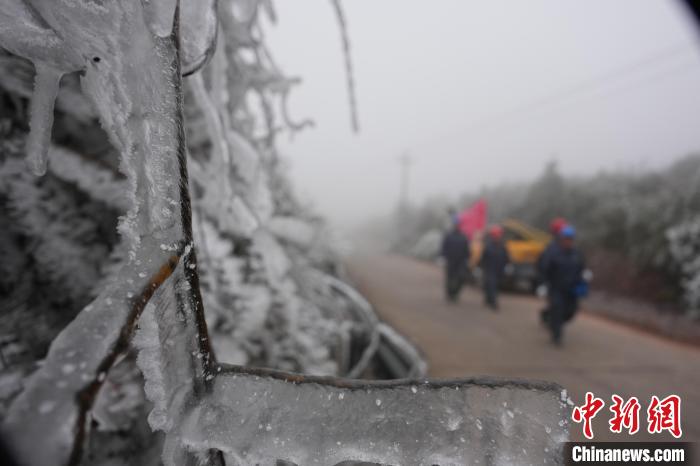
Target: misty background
point(481, 93)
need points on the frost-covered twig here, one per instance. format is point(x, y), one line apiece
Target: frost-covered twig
point(340, 15)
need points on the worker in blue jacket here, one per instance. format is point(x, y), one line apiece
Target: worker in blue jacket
point(565, 284)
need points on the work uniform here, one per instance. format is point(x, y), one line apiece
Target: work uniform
point(455, 250)
point(542, 263)
point(493, 263)
point(563, 272)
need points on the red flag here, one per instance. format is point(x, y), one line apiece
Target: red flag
point(473, 219)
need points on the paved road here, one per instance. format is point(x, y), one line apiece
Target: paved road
point(467, 339)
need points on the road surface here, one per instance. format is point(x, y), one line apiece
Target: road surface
point(466, 339)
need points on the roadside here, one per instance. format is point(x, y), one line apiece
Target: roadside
point(643, 316)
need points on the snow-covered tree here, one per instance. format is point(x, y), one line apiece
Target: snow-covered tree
point(684, 243)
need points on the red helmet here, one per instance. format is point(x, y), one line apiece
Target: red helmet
point(496, 231)
point(556, 225)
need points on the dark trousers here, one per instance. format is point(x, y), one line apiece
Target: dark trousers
point(562, 307)
point(491, 283)
point(455, 276)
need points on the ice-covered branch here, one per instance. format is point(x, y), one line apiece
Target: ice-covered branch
point(342, 23)
point(145, 123)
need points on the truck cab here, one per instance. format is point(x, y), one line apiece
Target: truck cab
point(524, 245)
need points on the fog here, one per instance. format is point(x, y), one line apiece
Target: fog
point(482, 92)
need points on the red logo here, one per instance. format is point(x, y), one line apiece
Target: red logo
point(624, 415)
point(661, 414)
point(665, 415)
point(587, 412)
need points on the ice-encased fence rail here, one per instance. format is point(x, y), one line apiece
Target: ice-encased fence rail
point(259, 416)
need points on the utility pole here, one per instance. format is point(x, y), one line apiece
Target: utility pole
point(405, 162)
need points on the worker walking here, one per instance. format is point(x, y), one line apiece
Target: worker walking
point(493, 262)
point(565, 284)
point(455, 251)
point(555, 227)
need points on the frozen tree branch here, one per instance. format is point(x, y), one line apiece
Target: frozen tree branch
point(340, 15)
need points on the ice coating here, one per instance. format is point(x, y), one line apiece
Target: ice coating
point(130, 66)
point(159, 15)
point(317, 421)
point(211, 114)
point(41, 117)
point(133, 81)
point(170, 359)
point(73, 366)
point(198, 32)
point(46, 33)
point(101, 182)
point(24, 34)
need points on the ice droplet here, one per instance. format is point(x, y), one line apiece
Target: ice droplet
point(341, 396)
point(414, 389)
point(478, 424)
point(46, 407)
point(46, 84)
point(379, 402)
point(453, 422)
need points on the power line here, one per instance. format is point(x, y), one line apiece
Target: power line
point(405, 162)
point(659, 57)
point(643, 64)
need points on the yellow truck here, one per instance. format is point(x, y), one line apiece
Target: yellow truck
point(524, 245)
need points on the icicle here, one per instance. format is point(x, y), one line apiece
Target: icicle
point(41, 117)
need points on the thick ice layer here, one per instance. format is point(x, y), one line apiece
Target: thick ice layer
point(262, 418)
point(131, 78)
point(49, 408)
point(22, 33)
point(102, 183)
point(41, 117)
point(198, 33)
point(170, 358)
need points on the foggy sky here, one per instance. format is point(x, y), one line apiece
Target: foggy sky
point(482, 92)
